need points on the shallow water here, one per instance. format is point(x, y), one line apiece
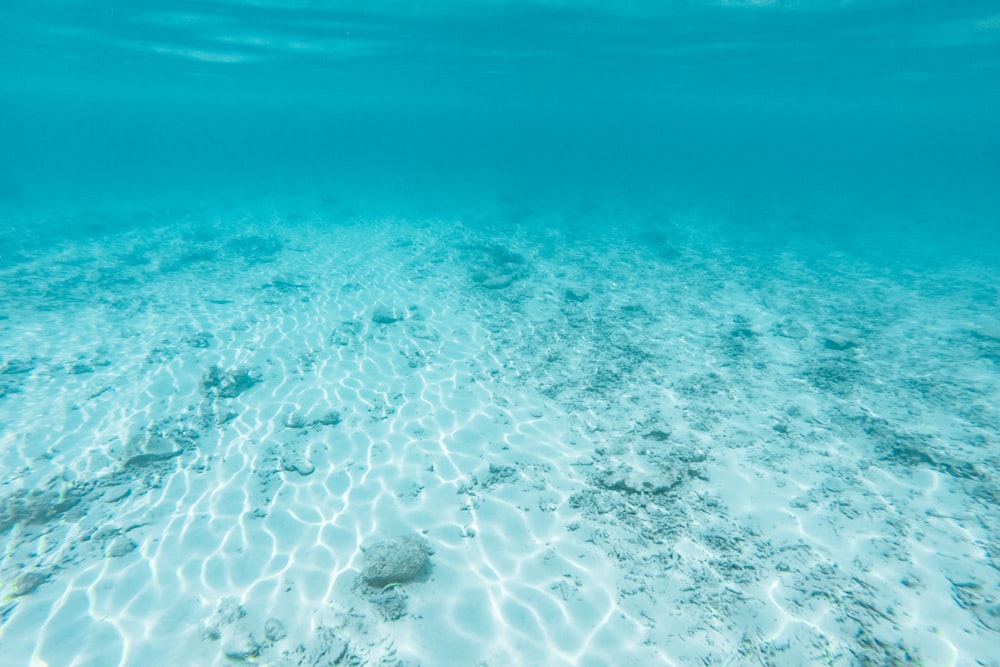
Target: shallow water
point(659, 334)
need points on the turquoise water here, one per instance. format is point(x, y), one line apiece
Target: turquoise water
point(890, 104)
point(652, 333)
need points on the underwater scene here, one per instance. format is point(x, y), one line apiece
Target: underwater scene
point(431, 333)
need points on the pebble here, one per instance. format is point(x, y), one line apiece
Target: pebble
point(120, 546)
point(839, 343)
point(295, 420)
point(386, 315)
point(298, 465)
point(274, 630)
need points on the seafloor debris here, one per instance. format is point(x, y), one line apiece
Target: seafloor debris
point(229, 383)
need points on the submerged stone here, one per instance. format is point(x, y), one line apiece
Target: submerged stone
point(391, 603)
point(28, 582)
point(38, 506)
point(299, 465)
point(295, 420)
point(386, 315)
point(792, 329)
point(839, 343)
point(17, 367)
point(331, 418)
point(274, 630)
point(241, 646)
point(394, 561)
point(228, 383)
point(146, 448)
point(119, 546)
point(497, 281)
point(630, 480)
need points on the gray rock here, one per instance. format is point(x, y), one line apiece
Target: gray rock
point(241, 646)
point(629, 480)
point(146, 448)
point(791, 329)
point(331, 418)
point(500, 474)
point(391, 603)
point(17, 367)
point(299, 465)
point(658, 435)
point(498, 281)
point(274, 630)
point(201, 340)
point(229, 383)
point(326, 648)
point(119, 546)
point(116, 492)
point(39, 506)
point(295, 420)
point(385, 315)
point(394, 561)
point(27, 582)
point(839, 343)
point(229, 611)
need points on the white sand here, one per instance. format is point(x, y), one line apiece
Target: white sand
point(624, 446)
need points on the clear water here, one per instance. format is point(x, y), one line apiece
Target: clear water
point(672, 328)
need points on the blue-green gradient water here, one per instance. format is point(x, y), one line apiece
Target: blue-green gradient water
point(649, 333)
point(889, 104)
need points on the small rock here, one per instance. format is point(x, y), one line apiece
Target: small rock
point(839, 343)
point(119, 546)
point(295, 420)
point(632, 481)
point(17, 366)
point(301, 466)
point(385, 315)
point(229, 611)
point(146, 448)
point(498, 281)
point(39, 506)
point(791, 329)
point(229, 383)
point(390, 603)
point(834, 485)
point(326, 648)
point(274, 630)
point(201, 340)
point(394, 561)
point(27, 583)
point(242, 647)
point(331, 418)
point(113, 494)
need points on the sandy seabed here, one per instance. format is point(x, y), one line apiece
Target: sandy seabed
point(618, 437)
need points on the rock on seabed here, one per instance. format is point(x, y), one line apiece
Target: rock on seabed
point(394, 561)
